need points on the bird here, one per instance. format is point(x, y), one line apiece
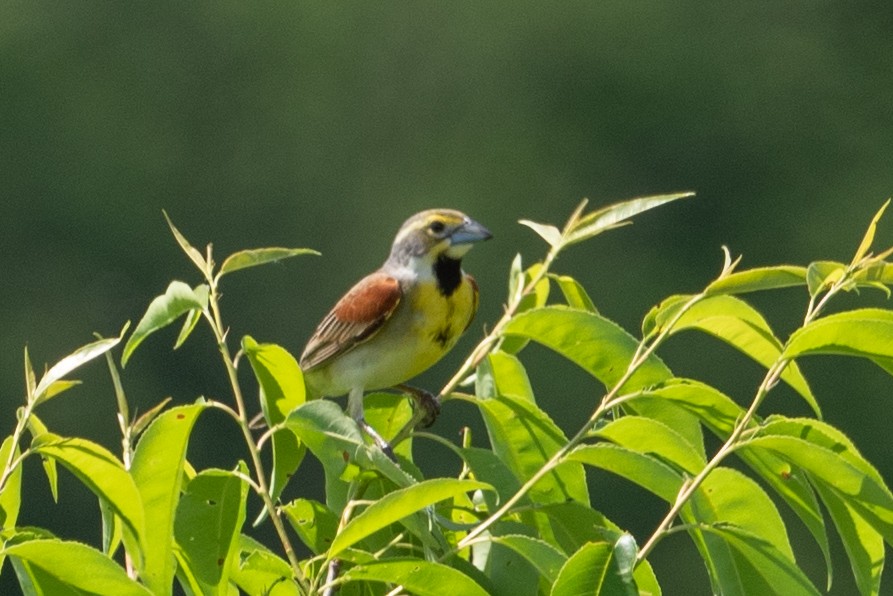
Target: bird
point(399, 320)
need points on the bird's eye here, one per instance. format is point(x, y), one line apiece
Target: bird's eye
point(436, 227)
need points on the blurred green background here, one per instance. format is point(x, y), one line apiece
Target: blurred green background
point(325, 126)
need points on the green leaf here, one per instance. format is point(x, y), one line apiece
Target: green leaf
point(417, 576)
point(11, 495)
point(259, 256)
point(868, 239)
point(757, 279)
point(594, 570)
point(643, 469)
point(105, 476)
point(598, 345)
point(544, 557)
point(158, 471)
point(112, 534)
point(821, 274)
point(866, 332)
point(388, 413)
point(654, 438)
point(574, 293)
point(864, 546)
point(614, 215)
point(549, 233)
point(189, 323)
point(763, 569)
point(194, 255)
point(503, 374)
point(75, 566)
point(37, 429)
point(74, 360)
point(209, 517)
point(176, 301)
point(313, 522)
point(282, 389)
point(537, 297)
point(256, 570)
point(524, 437)
point(854, 481)
point(398, 505)
point(740, 325)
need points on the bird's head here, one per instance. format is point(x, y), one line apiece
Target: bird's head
point(434, 234)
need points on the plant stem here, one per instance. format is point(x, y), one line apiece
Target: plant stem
point(244, 423)
point(773, 375)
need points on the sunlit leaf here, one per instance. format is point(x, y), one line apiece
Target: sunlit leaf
point(209, 517)
point(524, 437)
point(157, 468)
point(757, 279)
point(868, 239)
point(594, 570)
point(259, 256)
point(536, 298)
point(189, 324)
point(503, 374)
point(417, 576)
point(643, 469)
point(549, 233)
point(611, 216)
point(11, 495)
point(864, 546)
point(257, 570)
point(821, 274)
point(866, 332)
point(574, 293)
point(650, 436)
point(397, 505)
point(194, 255)
point(741, 326)
point(74, 360)
point(104, 475)
point(177, 300)
point(72, 566)
point(282, 389)
point(761, 568)
point(38, 428)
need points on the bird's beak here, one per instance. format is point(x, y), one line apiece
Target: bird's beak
point(470, 231)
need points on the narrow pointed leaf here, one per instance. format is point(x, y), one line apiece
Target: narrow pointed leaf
point(74, 360)
point(549, 233)
point(38, 428)
point(609, 217)
point(547, 559)
point(189, 323)
point(761, 566)
point(194, 255)
point(417, 576)
point(643, 469)
point(574, 293)
point(650, 436)
point(103, 474)
point(398, 505)
point(176, 301)
point(11, 496)
point(868, 239)
point(866, 332)
point(158, 471)
point(757, 279)
point(524, 437)
point(740, 325)
point(594, 570)
point(75, 566)
point(282, 389)
point(259, 256)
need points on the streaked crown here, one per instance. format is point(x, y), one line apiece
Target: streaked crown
point(434, 232)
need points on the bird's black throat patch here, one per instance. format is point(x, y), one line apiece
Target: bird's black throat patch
point(448, 273)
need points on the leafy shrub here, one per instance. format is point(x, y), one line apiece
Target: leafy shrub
point(518, 519)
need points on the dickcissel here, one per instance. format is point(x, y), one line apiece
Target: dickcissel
point(398, 321)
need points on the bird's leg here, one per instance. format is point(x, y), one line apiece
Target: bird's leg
point(356, 411)
point(425, 400)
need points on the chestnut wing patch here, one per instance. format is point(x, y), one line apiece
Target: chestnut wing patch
point(355, 318)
